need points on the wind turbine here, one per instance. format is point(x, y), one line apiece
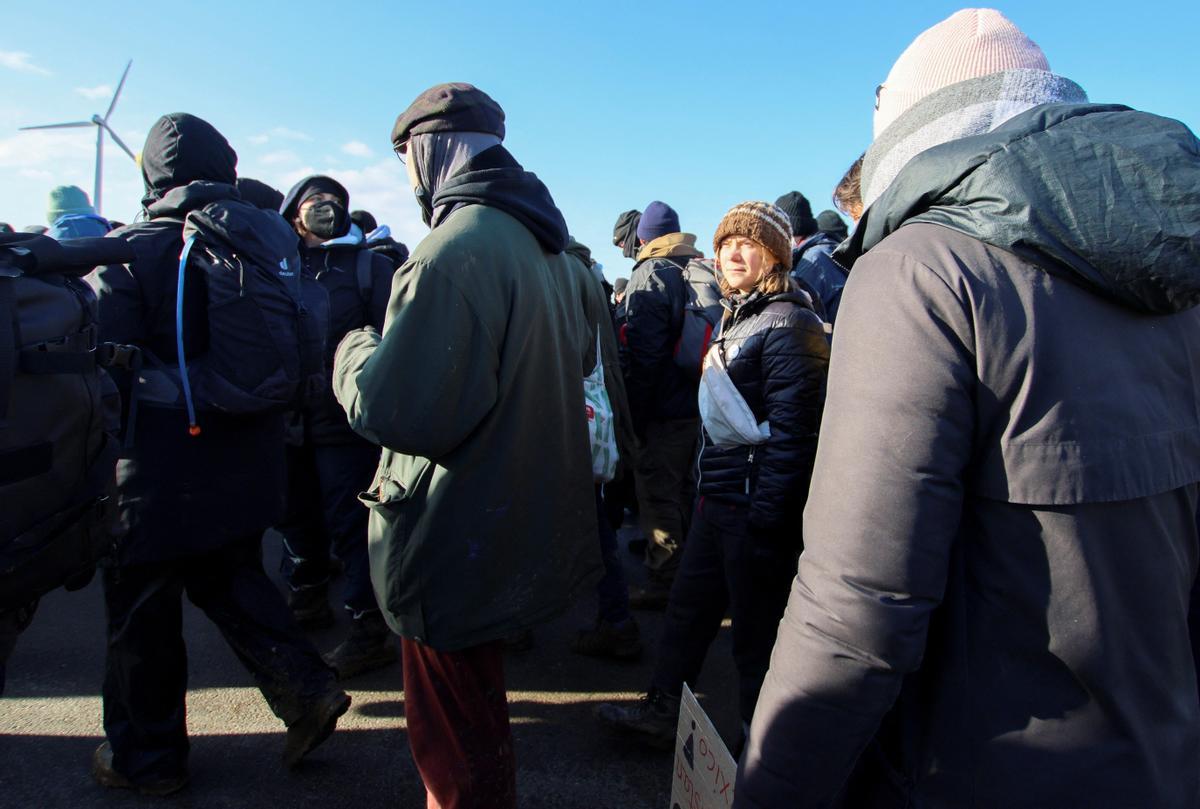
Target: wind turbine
point(102, 126)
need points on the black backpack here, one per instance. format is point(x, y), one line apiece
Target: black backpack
point(58, 416)
point(266, 324)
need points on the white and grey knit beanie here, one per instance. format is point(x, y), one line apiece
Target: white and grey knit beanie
point(970, 43)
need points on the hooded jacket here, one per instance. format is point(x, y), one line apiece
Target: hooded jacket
point(659, 390)
point(814, 268)
point(776, 354)
point(334, 265)
point(180, 495)
point(483, 518)
point(1000, 541)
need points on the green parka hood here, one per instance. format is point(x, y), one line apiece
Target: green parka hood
point(1100, 194)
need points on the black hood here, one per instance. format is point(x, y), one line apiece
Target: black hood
point(1098, 194)
point(181, 149)
point(317, 183)
point(494, 178)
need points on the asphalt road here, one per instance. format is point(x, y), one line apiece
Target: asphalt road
point(50, 721)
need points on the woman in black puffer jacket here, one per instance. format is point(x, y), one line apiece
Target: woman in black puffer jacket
point(746, 534)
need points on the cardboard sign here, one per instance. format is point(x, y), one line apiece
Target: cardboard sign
point(704, 771)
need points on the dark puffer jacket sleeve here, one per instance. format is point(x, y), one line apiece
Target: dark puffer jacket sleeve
point(794, 362)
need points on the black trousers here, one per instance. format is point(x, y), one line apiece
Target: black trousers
point(725, 567)
point(145, 680)
point(323, 513)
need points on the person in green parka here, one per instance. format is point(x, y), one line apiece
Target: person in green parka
point(483, 518)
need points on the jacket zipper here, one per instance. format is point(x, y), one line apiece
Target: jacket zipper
point(749, 469)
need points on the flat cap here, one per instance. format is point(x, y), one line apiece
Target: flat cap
point(453, 107)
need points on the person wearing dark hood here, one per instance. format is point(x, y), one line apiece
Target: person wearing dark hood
point(812, 267)
point(259, 194)
point(625, 233)
point(483, 516)
point(831, 222)
point(379, 238)
point(194, 504)
point(662, 396)
point(1000, 543)
point(328, 463)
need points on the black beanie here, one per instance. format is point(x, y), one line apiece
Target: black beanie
point(799, 212)
point(259, 194)
point(366, 223)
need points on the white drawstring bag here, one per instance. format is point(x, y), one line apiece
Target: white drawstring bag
point(726, 416)
point(599, 412)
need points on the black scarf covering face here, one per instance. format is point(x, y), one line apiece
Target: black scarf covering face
point(494, 178)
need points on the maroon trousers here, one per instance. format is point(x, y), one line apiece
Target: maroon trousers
point(456, 708)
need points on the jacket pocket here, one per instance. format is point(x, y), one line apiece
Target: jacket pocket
point(397, 480)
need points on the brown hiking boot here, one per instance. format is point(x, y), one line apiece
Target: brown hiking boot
point(106, 776)
point(314, 727)
point(619, 641)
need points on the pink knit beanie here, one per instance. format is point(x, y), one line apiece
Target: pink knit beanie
point(969, 44)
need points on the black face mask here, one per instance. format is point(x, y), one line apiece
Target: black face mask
point(326, 219)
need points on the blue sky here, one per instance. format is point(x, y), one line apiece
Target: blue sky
point(700, 104)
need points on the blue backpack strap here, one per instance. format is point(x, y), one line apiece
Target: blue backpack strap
point(193, 428)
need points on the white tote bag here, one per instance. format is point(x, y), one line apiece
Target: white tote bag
point(726, 416)
point(599, 412)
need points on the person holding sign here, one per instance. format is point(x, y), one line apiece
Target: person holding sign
point(760, 399)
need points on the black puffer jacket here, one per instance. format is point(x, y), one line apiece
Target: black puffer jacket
point(335, 267)
point(776, 354)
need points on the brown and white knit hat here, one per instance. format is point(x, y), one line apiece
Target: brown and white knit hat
point(763, 222)
point(971, 43)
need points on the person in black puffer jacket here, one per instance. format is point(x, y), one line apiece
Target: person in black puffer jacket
point(746, 533)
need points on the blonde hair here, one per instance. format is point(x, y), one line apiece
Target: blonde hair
point(773, 281)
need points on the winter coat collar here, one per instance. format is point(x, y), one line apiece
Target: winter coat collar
point(177, 202)
point(1098, 194)
point(673, 245)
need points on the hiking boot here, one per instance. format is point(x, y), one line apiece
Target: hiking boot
point(106, 776)
point(368, 647)
point(620, 641)
point(652, 720)
point(314, 727)
point(310, 607)
point(653, 595)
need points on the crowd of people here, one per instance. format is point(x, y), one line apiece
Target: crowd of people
point(940, 471)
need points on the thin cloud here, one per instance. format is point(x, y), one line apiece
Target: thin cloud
point(19, 60)
point(99, 91)
point(282, 156)
point(357, 148)
point(279, 133)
